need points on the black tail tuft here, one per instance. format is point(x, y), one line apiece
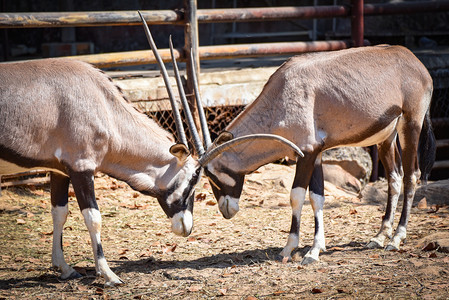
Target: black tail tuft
point(426, 149)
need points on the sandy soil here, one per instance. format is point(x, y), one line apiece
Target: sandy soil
point(229, 259)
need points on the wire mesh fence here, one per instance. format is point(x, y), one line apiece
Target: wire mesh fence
point(218, 117)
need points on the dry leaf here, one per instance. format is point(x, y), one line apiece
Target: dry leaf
point(251, 298)
point(279, 292)
point(317, 291)
point(223, 292)
point(336, 248)
point(123, 251)
point(194, 288)
point(21, 221)
point(374, 256)
point(353, 211)
point(322, 270)
point(343, 291)
point(200, 197)
point(211, 203)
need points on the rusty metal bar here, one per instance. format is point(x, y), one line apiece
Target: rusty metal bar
point(254, 50)
point(128, 58)
point(405, 7)
point(357, 23)
point(87, 18)
point(120, 18)
point(271, 13)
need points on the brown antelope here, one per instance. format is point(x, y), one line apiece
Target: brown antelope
point(68, 117)
point(356, 97)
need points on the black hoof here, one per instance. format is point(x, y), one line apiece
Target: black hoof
point(373, 245)
point(74, 275)
point(391, 248)
point(308, 261)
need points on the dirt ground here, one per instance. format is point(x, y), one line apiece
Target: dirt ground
point(229, 259)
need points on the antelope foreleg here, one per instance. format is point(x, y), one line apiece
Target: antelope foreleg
point(59, 213)
point(316, 194)
point(83, 184)
point(297, 198)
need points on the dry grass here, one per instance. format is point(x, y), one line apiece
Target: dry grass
point(229, 259)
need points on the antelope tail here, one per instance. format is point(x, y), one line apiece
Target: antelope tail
point(426, 148)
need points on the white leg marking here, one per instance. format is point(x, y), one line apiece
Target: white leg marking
point(319, 242)
point(59, 216)
point(386, 229)
point(297, 198)
point(92, 218)
point(399, 236)
point(401, 231)
point(182, 223)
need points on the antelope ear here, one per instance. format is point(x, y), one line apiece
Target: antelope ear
point(180, 151)
point(224, 137)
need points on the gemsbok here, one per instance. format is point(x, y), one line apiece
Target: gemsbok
point(68, 117)
point(355, 97)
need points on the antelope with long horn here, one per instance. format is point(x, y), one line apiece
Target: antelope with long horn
point(356, 97)
point(225, 142)
point(68, 117)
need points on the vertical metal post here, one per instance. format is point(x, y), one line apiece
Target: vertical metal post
point(357, 35)
point(357, 22)
point(191, 45)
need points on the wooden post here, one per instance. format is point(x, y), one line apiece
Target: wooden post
point(191, 45)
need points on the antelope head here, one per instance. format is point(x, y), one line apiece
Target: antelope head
point(208, 152)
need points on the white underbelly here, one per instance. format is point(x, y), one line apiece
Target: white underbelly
point(378, 137)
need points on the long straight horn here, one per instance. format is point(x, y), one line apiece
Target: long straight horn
point(196, 137)
point(213, 153)
point(179, 127)
point(199, 104)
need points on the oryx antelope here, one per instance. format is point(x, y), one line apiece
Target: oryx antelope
point(68, 117)
point(356, 97)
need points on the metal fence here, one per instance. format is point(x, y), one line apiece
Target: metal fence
point(189, 17)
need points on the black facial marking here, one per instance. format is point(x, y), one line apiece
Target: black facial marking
point(186, 201)
point(233, 191)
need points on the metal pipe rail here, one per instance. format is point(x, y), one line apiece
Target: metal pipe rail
point(88, 18)
point(140, 57)
point(176, 17)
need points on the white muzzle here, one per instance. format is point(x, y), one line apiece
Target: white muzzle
point(182, 223)
point(229, 206)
